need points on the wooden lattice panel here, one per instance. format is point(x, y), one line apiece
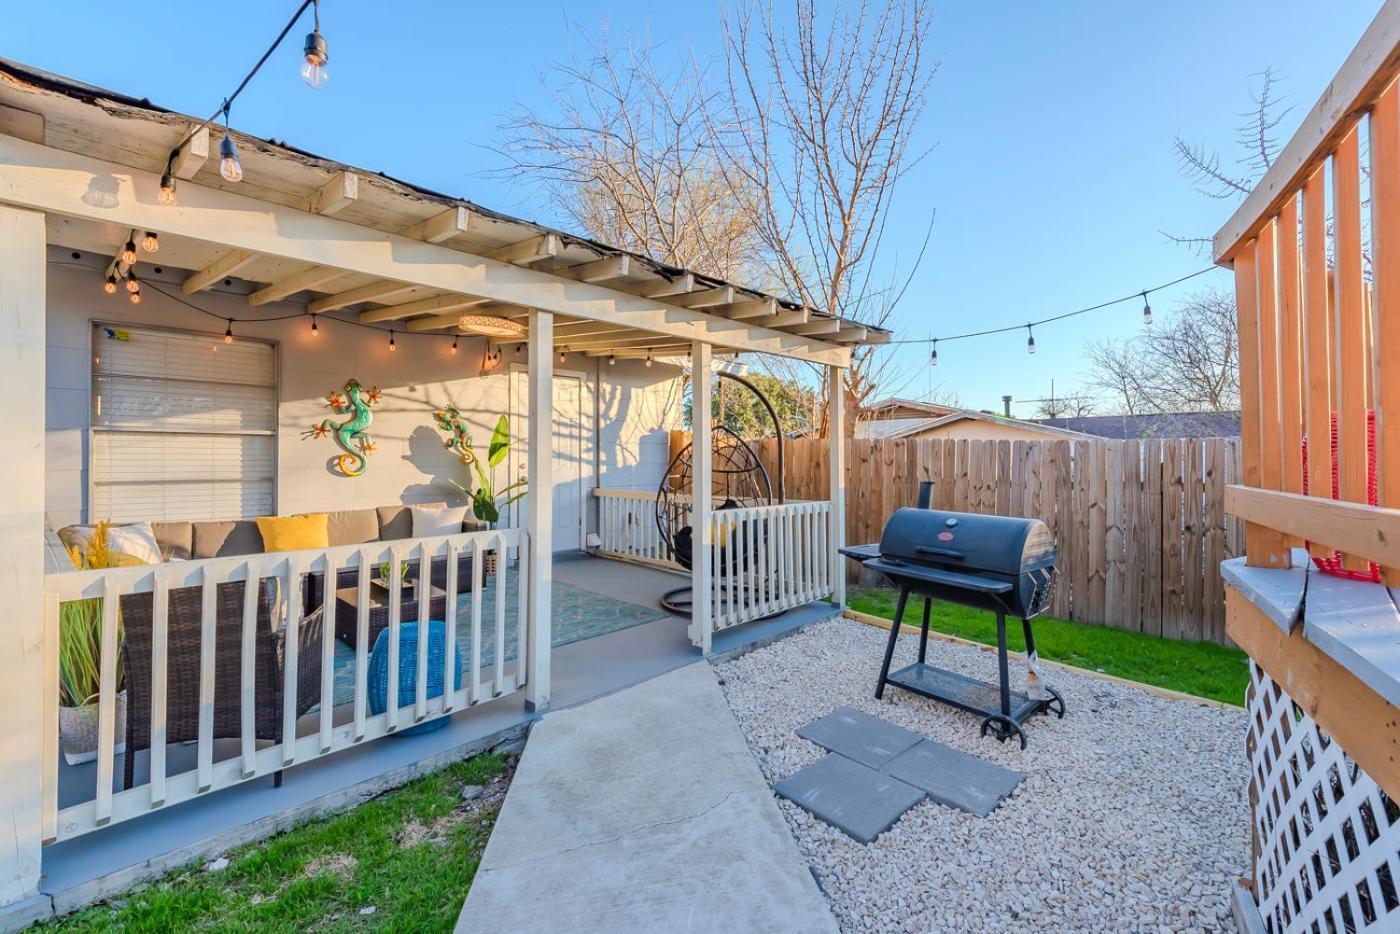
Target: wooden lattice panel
point(1326, 837)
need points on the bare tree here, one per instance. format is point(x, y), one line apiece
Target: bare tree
point(626, 151)
point(819, 133)
point(1189, 361)
point(1066, 407)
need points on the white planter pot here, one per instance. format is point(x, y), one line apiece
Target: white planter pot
point(77, 731)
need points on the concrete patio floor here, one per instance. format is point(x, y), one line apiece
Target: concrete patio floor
point(643, 811)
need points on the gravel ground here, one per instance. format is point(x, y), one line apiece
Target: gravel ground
point(1132, 817)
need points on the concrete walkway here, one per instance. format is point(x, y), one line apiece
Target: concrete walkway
point(643, 811)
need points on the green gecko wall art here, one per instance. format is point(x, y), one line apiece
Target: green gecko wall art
point(350, 434)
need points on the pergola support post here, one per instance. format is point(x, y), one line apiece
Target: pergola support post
point(539, 469)
point(836, 460)
point(24, 702)
point(701, 454)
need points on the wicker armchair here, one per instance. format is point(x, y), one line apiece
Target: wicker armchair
point(183, 666)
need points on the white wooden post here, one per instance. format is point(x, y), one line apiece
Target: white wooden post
point(539, 469)
point(702, 574)
point(836, 461)
point(23, 745)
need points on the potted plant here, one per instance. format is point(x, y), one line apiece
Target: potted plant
point(381, 582)
point(486, 501)
point(79, 662)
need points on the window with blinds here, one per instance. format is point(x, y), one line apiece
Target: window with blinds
point(183, 426)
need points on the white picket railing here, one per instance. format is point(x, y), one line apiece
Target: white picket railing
point(627, 527)
point(334, 728)
point(768, 559)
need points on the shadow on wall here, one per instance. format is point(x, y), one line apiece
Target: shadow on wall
point(427, 453)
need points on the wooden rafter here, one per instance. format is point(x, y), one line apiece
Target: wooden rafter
point(191, 155)
point(603, 270)
point(296, 282)
point(438, 322)
point(221, 268)
point(438, 303)
point(336, 195)
point(373, 292)
point(440, 227)
point(677, 286)
point(529, 251)
point(707, 298)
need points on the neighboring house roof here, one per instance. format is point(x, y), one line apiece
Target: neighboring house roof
point(1160, 425)
point(889, 416)
point(968, 415)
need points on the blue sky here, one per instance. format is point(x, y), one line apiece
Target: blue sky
point(1052, 172)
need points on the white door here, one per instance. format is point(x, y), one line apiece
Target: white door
point(571, 424)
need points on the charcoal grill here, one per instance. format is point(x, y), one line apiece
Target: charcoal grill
point(995, 563)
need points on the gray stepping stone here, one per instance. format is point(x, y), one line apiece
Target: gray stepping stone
point(954, 778)
point(852, 797)
point(859, 736)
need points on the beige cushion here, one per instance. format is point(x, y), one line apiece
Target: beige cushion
point(128, 545)
point(397, 522)
point(221, 539)
point(437, 520)
point(353, 526)
point(176, 540)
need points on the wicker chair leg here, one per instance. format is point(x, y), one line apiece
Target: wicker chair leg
point(277, 779)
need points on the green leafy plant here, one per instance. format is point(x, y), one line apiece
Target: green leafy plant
point(487, 502)
point(80, 630)
point(384, 570)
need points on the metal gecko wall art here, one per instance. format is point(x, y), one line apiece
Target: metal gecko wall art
point(351, 434)
point(459, 437)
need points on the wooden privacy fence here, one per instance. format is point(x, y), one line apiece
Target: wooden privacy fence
point(1140, 525)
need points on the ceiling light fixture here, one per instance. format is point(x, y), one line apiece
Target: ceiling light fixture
point(491, 326)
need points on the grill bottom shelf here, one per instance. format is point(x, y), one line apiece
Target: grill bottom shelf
point(963, 692)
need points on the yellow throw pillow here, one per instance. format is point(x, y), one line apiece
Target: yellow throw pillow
point(294, 533)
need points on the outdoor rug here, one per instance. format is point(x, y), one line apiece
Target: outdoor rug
point(578, 614)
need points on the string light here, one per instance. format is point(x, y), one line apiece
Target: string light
point(1146, 310)
point(454, 345)
point(110, 286)
point(151, 243)
point(563, 354)
point(132, 285)
point(648, 360)
point(135, 296)
point(933, 355)
point(313, 69)
point(228, 332)
point(229, 166)
point(392, 346)
point(167, 189)
point(1030, 340)
point(612, 359)
point(129, 252)
point(313, 72)
point(314, 329)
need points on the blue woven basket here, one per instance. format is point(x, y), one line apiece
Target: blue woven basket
point(408, 671)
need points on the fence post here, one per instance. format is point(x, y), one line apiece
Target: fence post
point(540, 471)
point(836, 473)
point(23, 745)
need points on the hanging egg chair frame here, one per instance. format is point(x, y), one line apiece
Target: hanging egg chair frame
point(745, 483)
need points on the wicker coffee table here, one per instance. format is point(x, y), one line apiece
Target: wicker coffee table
point(347, 605)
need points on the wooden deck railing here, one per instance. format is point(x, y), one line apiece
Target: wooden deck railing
point(305, 736)
point(1316, 255)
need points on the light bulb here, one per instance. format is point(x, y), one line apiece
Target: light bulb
point(454, 345)
point(1030, 340)
point(313, 69)
point(132, 285)
point(562, 354)
point(228, 332)
point(151, 243)
point(229, 166)
point(648, 363)
point(1146, 310)
point(129, 252)
point(392, 345)
point(933, 356)
point(135, 297)
point(314, 329)
point(167, 189)
point(110, 286)
point(612, 360)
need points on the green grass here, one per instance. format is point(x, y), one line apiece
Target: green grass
point(1200, 668)
point(410, 853)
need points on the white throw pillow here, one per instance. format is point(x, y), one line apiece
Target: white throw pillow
point(133, 544)
point(437, 520)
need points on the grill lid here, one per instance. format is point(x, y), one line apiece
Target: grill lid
point(969, 542)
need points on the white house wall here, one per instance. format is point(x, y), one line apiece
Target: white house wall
point(637, 404)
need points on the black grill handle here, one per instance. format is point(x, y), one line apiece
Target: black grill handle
point(942, 552)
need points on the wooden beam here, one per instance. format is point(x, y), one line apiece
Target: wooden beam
point(55, 181)
point(708, 298)
point(1366, 725)
point(336, 195)
point(529, 251)
point(422, 306)
point(786, 319)
point(878, 337)
point(1370, 532)
point(373, 292)
point(24, 124)
point(818, 326)
point(851, 335)
point(296, 282)
point(607, 343)
point(221, 268)
point(450, 223)
point(603, 270)
point(1371, 66)
point(450, 320)
point(743, 311)
point(677, 286)
point(191, 155)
